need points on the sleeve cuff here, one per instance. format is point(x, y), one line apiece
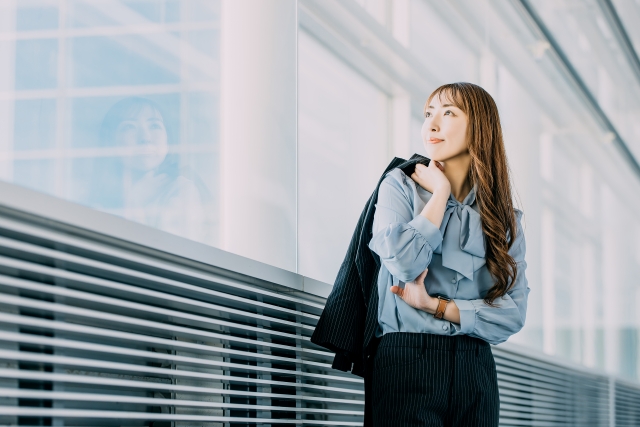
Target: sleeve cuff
point(467, 316)
point(428, 230)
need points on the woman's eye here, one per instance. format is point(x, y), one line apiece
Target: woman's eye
point(427, 114)
point(448, 111)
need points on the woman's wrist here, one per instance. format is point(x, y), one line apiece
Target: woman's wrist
point(444, 189)
point(430, 305)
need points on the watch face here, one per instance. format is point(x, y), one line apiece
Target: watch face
point(441, 297)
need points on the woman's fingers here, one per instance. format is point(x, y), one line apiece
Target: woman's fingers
point(436, 164)
point(418, 281)
point(397, 290)
point(413, 294)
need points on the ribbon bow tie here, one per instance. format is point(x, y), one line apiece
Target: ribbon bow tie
point(462, 247)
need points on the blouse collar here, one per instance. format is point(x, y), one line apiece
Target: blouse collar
point(469, 198)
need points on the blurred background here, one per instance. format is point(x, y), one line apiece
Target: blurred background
point(261, 128)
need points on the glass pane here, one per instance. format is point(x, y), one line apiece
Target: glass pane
point(36, 15)
point(432, 37)
point(122, 119)
point(35, 174)
point(81, 13)
point(343, 150)
point(587, 38)
point(34, 124)
point(36, 64)
point(379, 9)
point(122, 60)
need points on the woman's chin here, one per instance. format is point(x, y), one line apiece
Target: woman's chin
point(438, 155)
point(433, 153)
point(435, 156)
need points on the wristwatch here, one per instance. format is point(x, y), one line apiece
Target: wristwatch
point(442, 305)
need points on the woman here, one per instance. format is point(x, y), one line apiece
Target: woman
point(156, 190)
point(452, 276)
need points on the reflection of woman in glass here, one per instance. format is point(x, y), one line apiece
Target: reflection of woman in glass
point(157, 191)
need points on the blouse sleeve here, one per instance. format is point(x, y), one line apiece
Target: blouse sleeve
point(404, 243)
point(497, 324)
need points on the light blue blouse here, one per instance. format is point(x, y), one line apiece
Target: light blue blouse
point(408, 243)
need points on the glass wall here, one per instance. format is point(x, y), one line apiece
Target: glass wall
point(114, 104)
point(343, 146)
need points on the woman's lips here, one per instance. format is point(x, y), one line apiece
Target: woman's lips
point(435, 140)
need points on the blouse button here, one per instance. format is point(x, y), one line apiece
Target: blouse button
point(453, 280)
point(444, 327)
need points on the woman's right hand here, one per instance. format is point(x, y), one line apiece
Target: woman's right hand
point(432, 177)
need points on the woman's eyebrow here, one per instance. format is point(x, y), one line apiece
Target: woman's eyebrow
point(444, 105)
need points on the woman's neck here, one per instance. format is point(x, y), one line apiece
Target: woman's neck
point(457, 172)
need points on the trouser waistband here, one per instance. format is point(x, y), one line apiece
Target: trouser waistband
point(432, 341)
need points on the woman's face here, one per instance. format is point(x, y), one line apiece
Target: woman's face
point(145, 132)
point(444, 131)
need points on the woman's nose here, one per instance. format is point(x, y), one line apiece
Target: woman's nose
point(434, 125)
point(144, 136)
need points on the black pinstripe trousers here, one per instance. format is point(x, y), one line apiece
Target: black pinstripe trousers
point(421, 379)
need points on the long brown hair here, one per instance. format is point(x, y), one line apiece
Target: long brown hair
point(489, 171)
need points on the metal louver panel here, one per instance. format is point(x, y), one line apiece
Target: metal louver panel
point(538, 393)
point(95, 335)
point(627, 404)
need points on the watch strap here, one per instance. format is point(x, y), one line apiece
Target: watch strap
point(442, 305)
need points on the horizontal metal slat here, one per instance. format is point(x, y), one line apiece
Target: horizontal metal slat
point(542, 371)
point(80, 278)
point(102, 365)
point(533, 397)
point(514, 418)
point(557, 395)
point(527, 362)
point(146, 385)
point(144, 324)
point(172, 344)
point(79, 413)
point(529, 406)
point(539, 413)
point(121, 335)
point(148, 355)
point(514, 376)
point(97, 397)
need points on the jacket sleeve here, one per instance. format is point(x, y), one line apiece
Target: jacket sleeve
point(404, 243)
point(497, 324)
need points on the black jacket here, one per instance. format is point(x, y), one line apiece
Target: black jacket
point(349, 320)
